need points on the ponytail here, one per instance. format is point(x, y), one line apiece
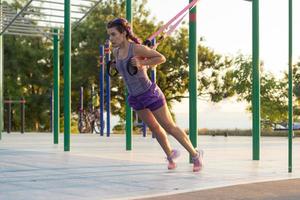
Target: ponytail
point(122, 25)
point(132, 37)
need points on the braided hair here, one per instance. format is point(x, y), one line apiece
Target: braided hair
point(122, 25)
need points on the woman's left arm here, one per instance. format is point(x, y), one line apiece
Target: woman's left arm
point(144, 56)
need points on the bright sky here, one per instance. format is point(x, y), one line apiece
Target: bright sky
point(227, 29)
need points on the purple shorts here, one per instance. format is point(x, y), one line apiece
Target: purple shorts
point(152, 99)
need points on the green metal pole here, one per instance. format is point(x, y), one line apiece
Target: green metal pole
point(1, 75)
point(56, 70)
point(255, 82)
point(290, 140)
point(128, 108)
point(67, 76)
point(193, 69)
point(1, 81)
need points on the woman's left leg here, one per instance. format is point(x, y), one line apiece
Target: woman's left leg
point(164, 118)
point(147, 116)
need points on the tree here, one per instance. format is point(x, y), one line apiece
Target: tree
point(27, 73)
point(238, 81)
point(296, 89)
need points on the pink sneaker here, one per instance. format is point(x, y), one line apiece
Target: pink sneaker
point(174, 154)
point(198, 161)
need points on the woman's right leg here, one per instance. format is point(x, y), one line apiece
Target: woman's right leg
point(161, 136)
point(164, 118)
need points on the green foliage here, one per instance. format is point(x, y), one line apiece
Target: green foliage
point(213, 82)
point(274, 91)
point(119, 127)
point(296, 80)
point(27, 73)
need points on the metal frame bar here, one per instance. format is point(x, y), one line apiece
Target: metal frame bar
point(61, 3)
point(48, 15)
point(24, 34)
point(17, 28)
point(42, 20)
point(7, 20)
point(88, 12)
point(50, 2)
point(19, 32)
point(30, 26)
point(20, 26)
point(11, 14)
point(14, 28)
point(55, 9)
point(22, 19)
point(15, 23)
point(88, 1)
point(17, 15)
point(24, 30)
point(36, 20)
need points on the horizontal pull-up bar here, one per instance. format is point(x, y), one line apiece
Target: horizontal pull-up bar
point(62, 3)
point(88, 1)
point(16, 25)
point(56, 9)
point(9, 113)
point(20, 22)
point(43, 20)
point(47, 15)
point(15, 101)
point(17, 30)
point(25, 34)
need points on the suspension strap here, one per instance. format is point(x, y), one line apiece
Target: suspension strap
point(168, 26)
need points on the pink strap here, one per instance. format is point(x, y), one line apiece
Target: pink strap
point(172, 28)
point(191, 5)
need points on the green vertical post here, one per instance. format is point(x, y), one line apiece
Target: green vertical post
point(56, 73)
point(290, 140)
point(128, 108)
point(255, 82)
point(193, 69)
point(67, 76)
point(1, 80)
point(1, 75)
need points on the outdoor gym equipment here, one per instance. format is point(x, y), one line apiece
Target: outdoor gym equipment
point(9, 113)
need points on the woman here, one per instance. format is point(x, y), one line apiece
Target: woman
point(145, 97)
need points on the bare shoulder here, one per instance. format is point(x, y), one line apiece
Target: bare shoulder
point(141, 50)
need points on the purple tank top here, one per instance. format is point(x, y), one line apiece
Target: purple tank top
point(136, 84)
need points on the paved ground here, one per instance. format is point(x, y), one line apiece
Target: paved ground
point(31, 167)
point(274, 190)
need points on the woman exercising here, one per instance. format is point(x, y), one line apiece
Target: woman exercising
point(145, 97)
